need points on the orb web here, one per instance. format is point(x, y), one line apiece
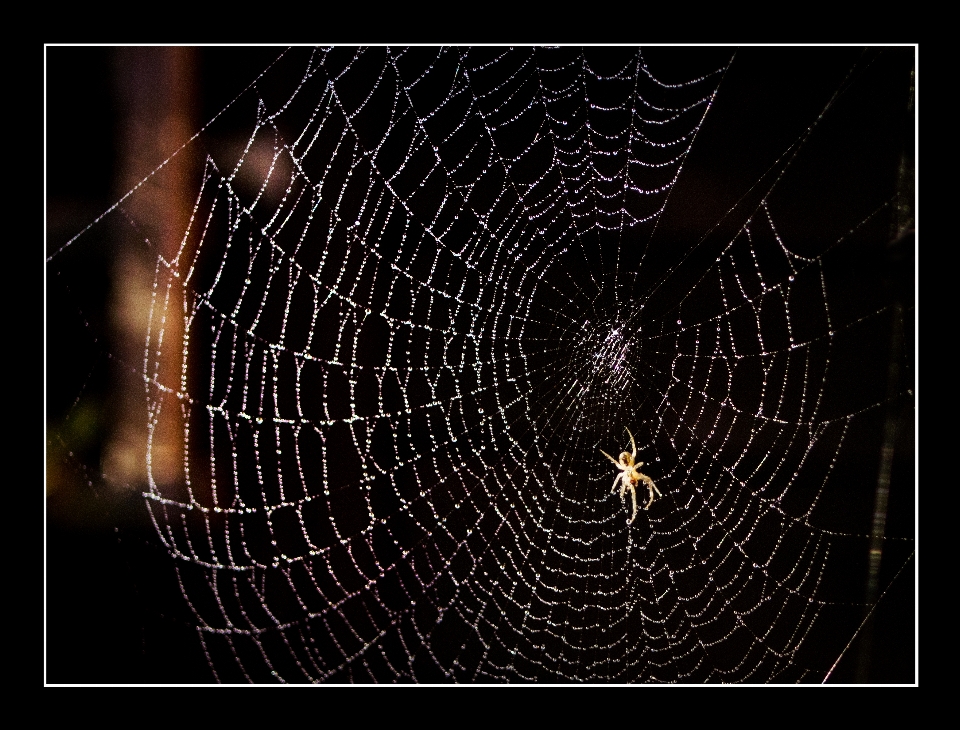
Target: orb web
point(426, 288)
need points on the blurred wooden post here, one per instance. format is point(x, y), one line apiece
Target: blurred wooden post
point(155, 91)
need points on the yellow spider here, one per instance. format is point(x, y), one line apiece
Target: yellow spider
point(630, 475)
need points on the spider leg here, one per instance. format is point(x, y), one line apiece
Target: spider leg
point(615, 480)
point(633, 493)
point(633, 444)
point(610, 457)
point(651, 488)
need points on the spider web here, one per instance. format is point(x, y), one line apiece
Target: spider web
point(425, 286)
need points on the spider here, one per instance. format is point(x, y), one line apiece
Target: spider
point(630, 475)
